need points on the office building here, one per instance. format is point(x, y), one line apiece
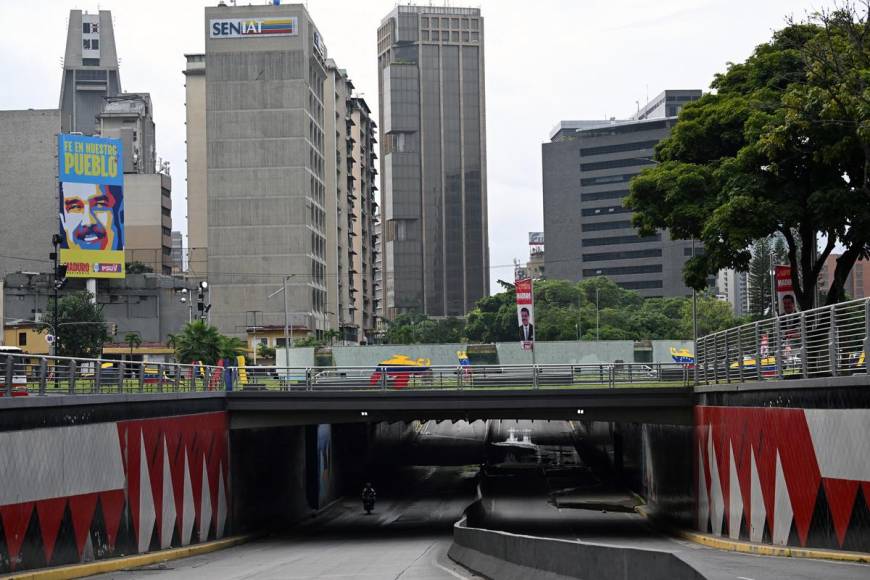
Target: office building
point(197, 170)
point(177, 255)
point(857, 283)
point(129, 117)
point(733, 287)
point(587, 166)
point(90, 71)
point(266, 161)
point(433, 160)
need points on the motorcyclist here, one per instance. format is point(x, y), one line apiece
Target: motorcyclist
point(368, 497)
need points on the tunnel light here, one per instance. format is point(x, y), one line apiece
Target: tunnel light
point(580, 411)
point(364, 413)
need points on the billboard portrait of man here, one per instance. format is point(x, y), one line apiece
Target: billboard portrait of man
point(91, 216)
point(527, 326)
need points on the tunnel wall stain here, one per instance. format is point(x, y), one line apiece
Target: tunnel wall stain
point(785, 476)
point(82, 492)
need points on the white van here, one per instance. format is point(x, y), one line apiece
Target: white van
point(19, 378)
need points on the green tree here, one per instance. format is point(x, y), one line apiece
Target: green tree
point(137, 267)
point(197, 341)
point(231, 347)
point(265, 351)
point(766, 154)
point(133, 340)
point(80, 327)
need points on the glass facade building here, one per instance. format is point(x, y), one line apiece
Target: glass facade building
point(433, 160)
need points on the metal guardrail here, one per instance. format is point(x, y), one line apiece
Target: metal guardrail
point(831, 341)
point(24, 374)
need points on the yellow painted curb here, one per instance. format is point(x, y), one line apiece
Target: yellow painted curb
point(115, 564)
point(762, 549)
point(768, 550)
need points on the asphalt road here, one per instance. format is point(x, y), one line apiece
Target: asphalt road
point(410, 532)
point(407, 538)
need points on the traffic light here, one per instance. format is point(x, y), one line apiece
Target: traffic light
point(60, 276)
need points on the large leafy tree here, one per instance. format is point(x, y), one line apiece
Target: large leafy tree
point(781, 147)
point(80, 327)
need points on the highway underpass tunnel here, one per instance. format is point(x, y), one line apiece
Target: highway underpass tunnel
point(560, 478)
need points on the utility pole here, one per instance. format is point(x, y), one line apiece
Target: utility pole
point(59, 281)
point(288, 340)
point(597, 316)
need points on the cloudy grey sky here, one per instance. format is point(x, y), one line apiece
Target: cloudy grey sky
point(546, 60)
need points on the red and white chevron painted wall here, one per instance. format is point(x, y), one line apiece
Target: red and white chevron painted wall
point(784, 476)
point(82, 492)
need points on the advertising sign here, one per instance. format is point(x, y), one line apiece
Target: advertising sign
point(536, 238)
point(785, 299)
point(525, 313)
point(91, 206)
point(252, 27)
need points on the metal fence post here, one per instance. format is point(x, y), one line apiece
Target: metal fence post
point(867, 337)
point(142, 377)
point(832, 341)
point(459, 377)
point(716, 359)
point(778, 352)
point(740, 363)
point(122, 372)
point(383, 379)
point(10, 363)
point(759, 357)
point(803, 349)
point(43, 375)
point(71, 382)
point(98, 377)
point(177, 379)
point(727, 364)
point(535, 376)
point(159, 378)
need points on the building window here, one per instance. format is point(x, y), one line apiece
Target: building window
point(602, 226)
point(640, 285)
point(614, 209)
point(601, 195)
point(618, 148)
point(86, 27)
point(464, 36)
point(607, 179)
point(95, 44)
point(629, 255)
point(613, 240)
point(86, 43)
point(425, 21)
point(614, 163)
point(22, 339)
point(623, 270)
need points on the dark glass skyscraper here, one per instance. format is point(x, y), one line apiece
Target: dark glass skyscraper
point(433, 160)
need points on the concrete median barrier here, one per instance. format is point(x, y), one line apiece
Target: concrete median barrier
point(503, 555)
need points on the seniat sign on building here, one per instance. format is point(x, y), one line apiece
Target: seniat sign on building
point(250, 27)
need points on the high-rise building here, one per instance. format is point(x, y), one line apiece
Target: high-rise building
point(733, 287)
point(266, 162)
point(433, 160)
point(177, 252)
point(90, 71)
point(587, 166)
point(129, 117)
point(197, 170)
point(857, 283)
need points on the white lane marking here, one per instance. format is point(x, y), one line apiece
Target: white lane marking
point(451, 572)
point(744, 578)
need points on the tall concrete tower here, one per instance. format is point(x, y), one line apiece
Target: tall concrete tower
point(433, 160)
point(90, 71)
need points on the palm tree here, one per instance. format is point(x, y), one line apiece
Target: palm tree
point(197, 341)
point(231, 347)
point(133, 340)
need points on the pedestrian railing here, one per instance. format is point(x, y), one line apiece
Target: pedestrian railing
point(44, 375)
point(831, 341)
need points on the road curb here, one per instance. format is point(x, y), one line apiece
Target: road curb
point(742, 547)
point(116, 564)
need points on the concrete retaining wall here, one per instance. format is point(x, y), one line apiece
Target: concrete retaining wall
point(509, 556)
point(87, 491)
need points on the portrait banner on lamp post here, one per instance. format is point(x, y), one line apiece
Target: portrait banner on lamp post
point(525, 313)
point(91, 206)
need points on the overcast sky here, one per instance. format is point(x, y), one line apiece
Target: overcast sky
point(546, 60)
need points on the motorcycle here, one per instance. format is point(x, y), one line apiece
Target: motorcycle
point(368, 504)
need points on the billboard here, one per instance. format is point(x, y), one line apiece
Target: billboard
point(536, 238)
point(91, 206)
point(252, 27)
point(785, 299)
point(525, 313)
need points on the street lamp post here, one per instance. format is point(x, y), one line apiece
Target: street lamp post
point(287, 326)
point(597, 316)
